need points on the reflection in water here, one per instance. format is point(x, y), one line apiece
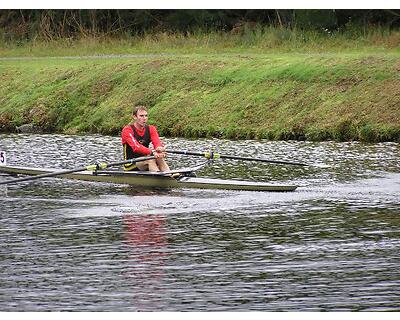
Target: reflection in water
point(146, 236)
point(79, 246)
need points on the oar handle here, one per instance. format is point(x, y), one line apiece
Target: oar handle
point(216, 155)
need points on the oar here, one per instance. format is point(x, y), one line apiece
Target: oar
point(215, 155)
point(92, 167)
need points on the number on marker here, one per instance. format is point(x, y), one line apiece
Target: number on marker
point(3, 161)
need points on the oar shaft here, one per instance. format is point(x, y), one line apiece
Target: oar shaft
point(44, 175)
point(92, 167)
point(130, 161)
point(215, 155)
point(262, 160)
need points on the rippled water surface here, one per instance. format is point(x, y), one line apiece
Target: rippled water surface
point(331, 245)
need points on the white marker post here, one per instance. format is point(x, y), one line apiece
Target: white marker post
point(3, 159)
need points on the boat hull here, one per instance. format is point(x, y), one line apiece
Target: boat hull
point(154, 180)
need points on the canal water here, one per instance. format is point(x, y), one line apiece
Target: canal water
point(332, 245)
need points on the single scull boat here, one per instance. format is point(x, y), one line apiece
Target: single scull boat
point(181, 178)
point(146, 179)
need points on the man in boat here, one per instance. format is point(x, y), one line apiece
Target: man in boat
point(136, 139)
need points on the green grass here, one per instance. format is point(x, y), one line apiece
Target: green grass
point(255, 40)
point(277, 94)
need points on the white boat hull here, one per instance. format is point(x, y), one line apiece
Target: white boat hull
point(154, 180)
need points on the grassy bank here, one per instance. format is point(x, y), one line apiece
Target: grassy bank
point(314, 96)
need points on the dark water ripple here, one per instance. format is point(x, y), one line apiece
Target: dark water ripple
point(330, 246)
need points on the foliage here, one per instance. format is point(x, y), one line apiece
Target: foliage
point(50, 25)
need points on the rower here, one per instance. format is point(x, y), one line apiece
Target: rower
point(136, 139)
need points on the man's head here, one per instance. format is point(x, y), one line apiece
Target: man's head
point(140, 116)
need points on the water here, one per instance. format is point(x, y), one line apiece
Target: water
point(333, 245)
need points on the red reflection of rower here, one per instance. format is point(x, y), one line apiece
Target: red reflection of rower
point(146, 236)
point(145, 230)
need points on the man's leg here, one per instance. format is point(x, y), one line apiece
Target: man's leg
point(153, 165)
point(143, 165)
point(162, 164)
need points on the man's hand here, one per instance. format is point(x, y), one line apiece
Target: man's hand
point(160, 149)
point(159, 153)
